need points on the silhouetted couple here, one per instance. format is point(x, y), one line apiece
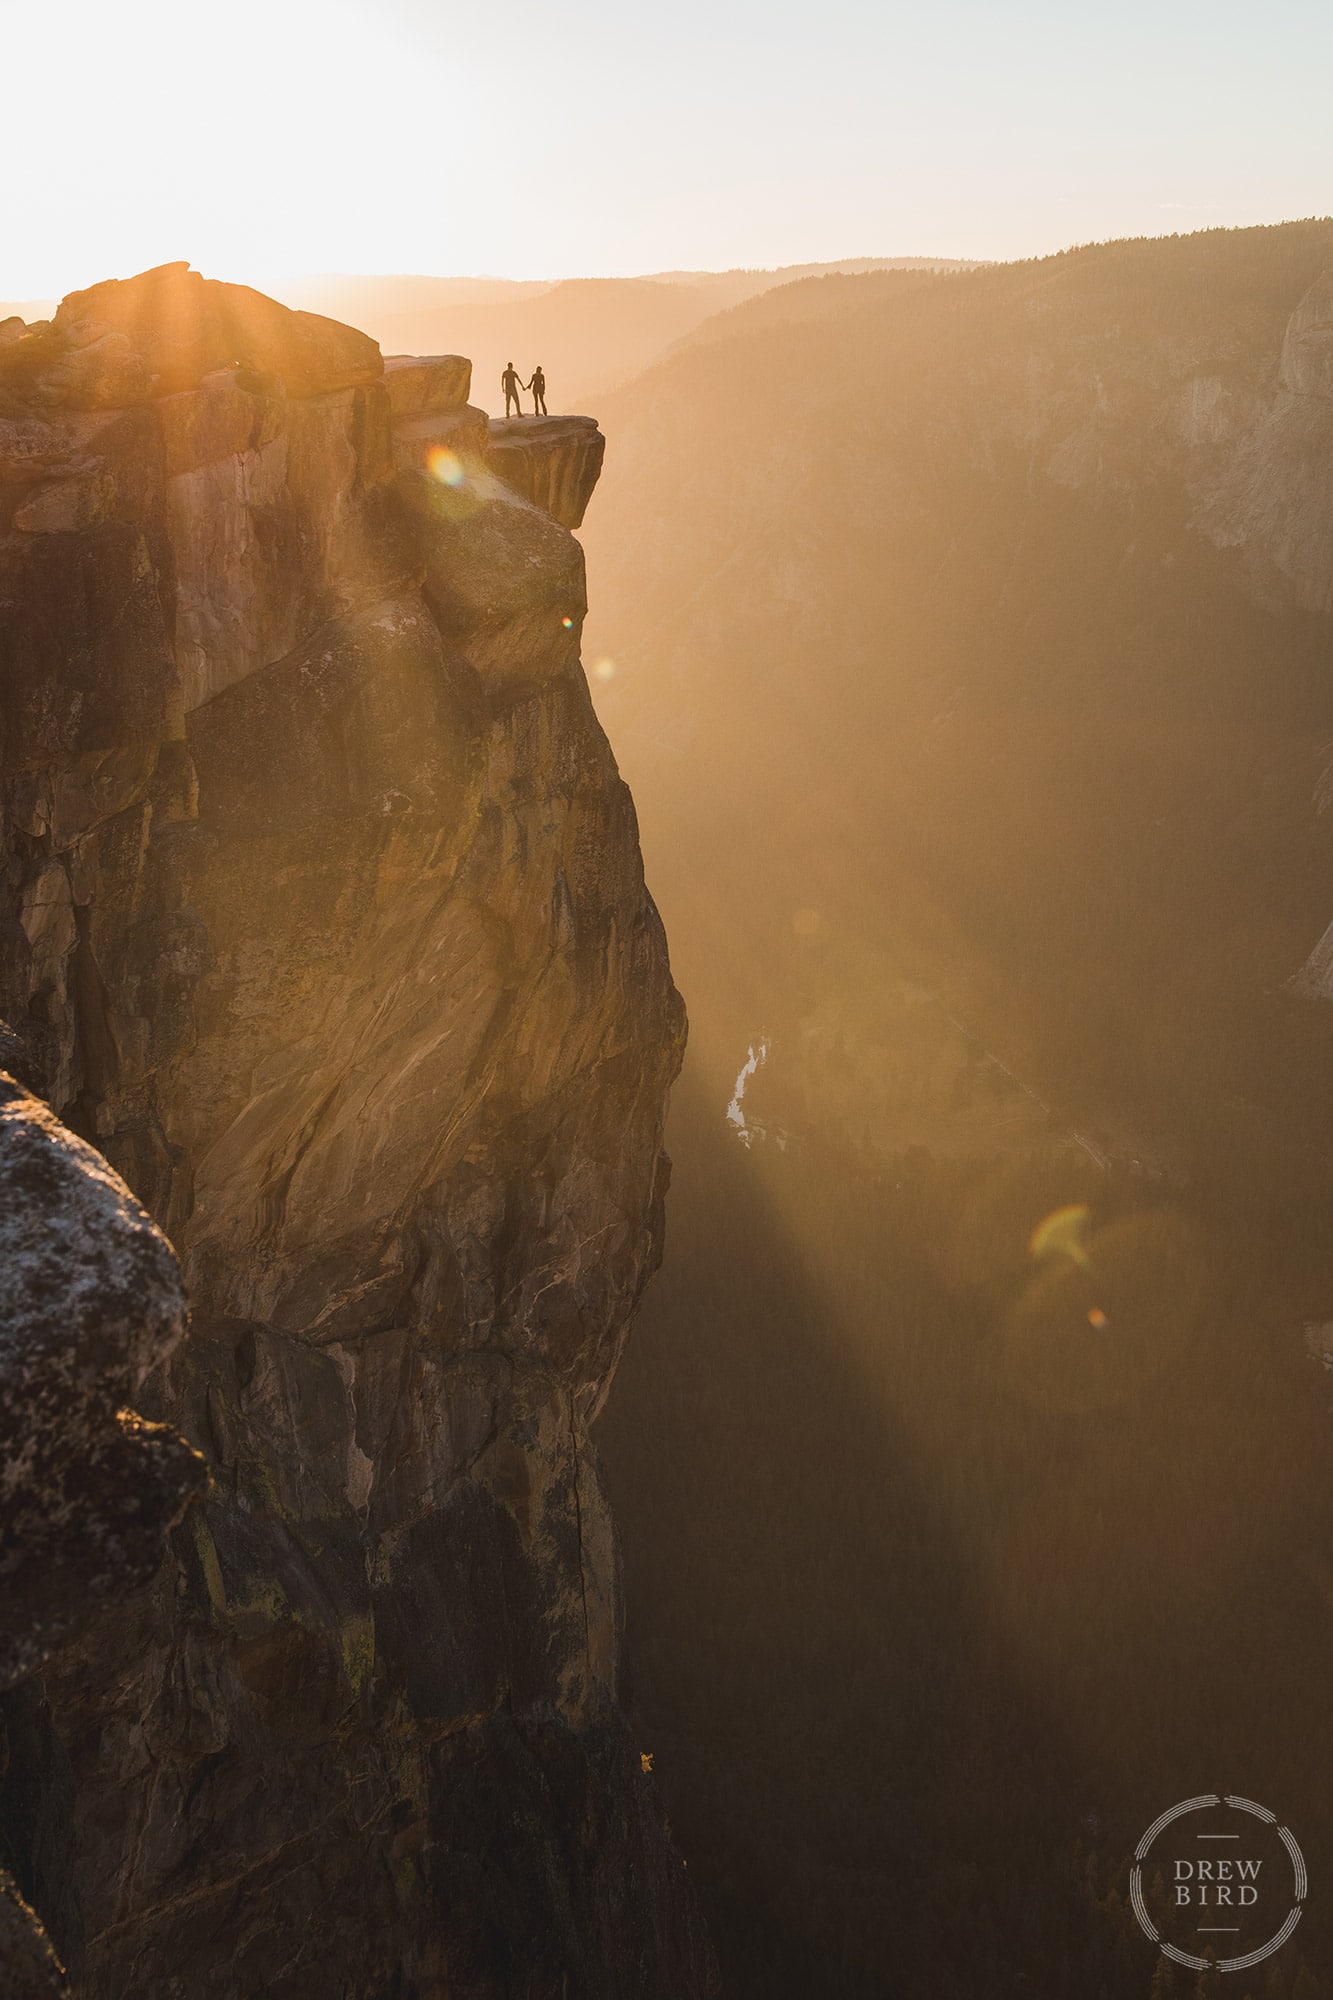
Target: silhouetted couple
point(511, 385)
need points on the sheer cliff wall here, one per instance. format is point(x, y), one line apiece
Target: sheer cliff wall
point(324, 921)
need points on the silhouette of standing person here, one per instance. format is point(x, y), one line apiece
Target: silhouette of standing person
point(538, 388)
point(511, 385)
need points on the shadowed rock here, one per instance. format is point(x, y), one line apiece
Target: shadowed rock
point(324, 912)
point(29, 1969)
point(92, 1300)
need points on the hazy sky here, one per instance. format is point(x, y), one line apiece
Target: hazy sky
point(272, 137)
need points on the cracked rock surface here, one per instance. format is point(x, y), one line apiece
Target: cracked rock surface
point(92, 1301)
point(324, 920)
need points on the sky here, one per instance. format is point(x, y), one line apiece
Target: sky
point(607, 137)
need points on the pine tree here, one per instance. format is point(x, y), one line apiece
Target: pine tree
point(1163, 1981)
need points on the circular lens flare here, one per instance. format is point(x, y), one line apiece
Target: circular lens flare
point(445, 465)
point(604, 670)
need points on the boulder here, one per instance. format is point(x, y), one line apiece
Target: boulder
point(418, 383)
point(93, 1300)
point(127, 340)
point(504, 576)
point(418, 440)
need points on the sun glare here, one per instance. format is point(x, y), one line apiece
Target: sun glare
point(247, 143)
point(445, 465)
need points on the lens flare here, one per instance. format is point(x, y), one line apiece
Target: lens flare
point(568, 624)
point(604, 670)
point(1061, 1234)
point(1154, 1296)
point(445, 465)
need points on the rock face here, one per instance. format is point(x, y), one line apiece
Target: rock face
point(93, 1301)
point(325, 921)
point(418, 383)
point(167, 330)
point(1269, 491)
point(88, 1491)
point(551, 461)
point(1307, 350)
point(1314, 981)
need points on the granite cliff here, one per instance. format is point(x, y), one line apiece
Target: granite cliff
point(93, 1301)
point(324, 922)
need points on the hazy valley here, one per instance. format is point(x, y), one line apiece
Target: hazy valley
point(966, 644)
point(958, 642)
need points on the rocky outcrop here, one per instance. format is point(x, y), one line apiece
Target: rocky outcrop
point(88, 1491)
point(1269, 491)
point(93, 1302)
point(1314, 981)
point(421, 383)
point(552, 461)
point(124, 343)
point(1307, 349)
point(325, 922)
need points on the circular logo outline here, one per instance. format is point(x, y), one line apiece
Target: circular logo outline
point(1149, 1928)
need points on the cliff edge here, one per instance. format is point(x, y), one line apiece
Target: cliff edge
point(324, 921)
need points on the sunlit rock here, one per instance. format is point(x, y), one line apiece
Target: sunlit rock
point(422, 383)
point(325, 917)
point(127, 340)
point(1271, 496)
point(420, 440)
point(1307, 350)
point(552, 461)
point(1314, 981)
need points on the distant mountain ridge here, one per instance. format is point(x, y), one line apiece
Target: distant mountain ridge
point(590, 334)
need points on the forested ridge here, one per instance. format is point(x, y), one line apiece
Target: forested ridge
point(978, 777)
